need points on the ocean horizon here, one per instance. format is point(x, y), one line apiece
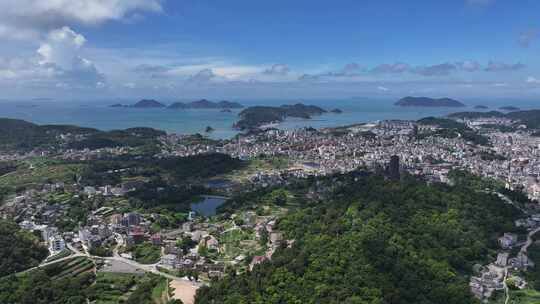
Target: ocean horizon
point(99, 114)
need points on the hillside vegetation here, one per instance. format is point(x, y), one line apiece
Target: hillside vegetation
point(374, 241)
point(18, 134)
point(19, 250)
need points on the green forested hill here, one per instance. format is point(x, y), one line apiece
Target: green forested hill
point(22, 135)
point(375, 241)
point(19, 249)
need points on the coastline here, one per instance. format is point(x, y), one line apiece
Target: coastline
point(102, 117)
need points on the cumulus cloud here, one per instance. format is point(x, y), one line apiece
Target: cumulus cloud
point(277, 69)
point(436, 70)
point(16, 68)
point(386, 68)
point(202, 76)
point(150, 68)
point(469, 66)
point(350, 69)
point(527, 37)
point(27, 18)
point(153, 71)
point(57, 63)
point(442, 69)
point(60, 52)
point(61, 47)
point(497, 66)
point(533, 80)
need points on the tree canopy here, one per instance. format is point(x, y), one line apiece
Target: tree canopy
point(369, 240)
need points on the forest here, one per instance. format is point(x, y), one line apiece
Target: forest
point(371, 240)
point(22, 135)
point(19, 250)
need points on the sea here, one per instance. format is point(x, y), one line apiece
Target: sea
point(99, 114)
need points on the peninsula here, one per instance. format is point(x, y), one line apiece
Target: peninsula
point(481, 107)
point(254, 117)
point(509, 108)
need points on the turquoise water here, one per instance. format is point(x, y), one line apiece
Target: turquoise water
point(208, 204)
point(99, 115)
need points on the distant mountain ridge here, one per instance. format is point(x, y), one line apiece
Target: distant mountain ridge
point(509, 108)
point(206, 104)
point(410, 101)
point(481, 107)
point(199, 104)
point(148, 103)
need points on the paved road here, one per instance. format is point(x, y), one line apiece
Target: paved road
point(522, 250)
point(509, 201)
point(145, 267)
point(529, 241)
point(506, 292)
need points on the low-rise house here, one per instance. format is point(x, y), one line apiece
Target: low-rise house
point(156, 239)
point(56, 244)
point(170, 260)
point(256, 261)
point(508, 240)
point(502, 259)
point(276, 238)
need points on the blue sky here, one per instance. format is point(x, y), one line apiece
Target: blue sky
point(269, 49)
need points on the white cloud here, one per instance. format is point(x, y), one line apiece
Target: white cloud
point(442, 69)
point(61, 47)
point(496, 66)
point(277, 69)
point(533, 80)
point(100, 85)
point(61, 52)
point(202, 76)
point(469, 65)
point(57, 63)
point(25, 19)
point(391, 68)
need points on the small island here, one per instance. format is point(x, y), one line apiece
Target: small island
point(481, 107)
point(428, 102)
point(255, 117)
point(148, 103)
point(336, 111)
point(226, 111)
point(206, 104)
point(142, 104)
point(509, 108)
point(209, 129)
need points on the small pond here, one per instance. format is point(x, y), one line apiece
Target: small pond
point(208, 204)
